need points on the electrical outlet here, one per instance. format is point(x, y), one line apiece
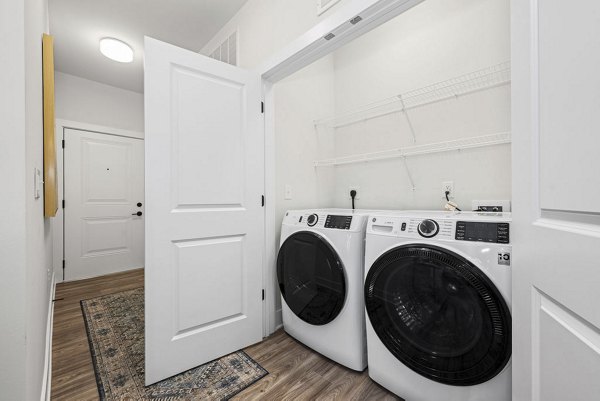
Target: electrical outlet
point(288, 192)
point(448, 186)
point(357, 189)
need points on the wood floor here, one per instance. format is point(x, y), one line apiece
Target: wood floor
point(295, 371)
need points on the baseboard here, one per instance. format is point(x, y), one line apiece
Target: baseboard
point(47, 378)
point(278, 319)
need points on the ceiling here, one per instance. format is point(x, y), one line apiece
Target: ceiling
point(78, 25)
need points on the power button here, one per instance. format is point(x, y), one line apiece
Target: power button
point(403, 227)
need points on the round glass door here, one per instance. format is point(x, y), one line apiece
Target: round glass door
point(311, 278)
point(438, 314)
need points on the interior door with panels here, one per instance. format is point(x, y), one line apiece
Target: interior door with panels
point(104, 195)
point(556, 192)
point(205, 219)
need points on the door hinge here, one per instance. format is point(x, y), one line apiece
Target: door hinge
point(63, 203)
point(262, 200)
point(63, 143)
point(262, 107)
point(263, 295)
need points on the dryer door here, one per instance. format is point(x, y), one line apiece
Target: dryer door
point(438, 314)
point(311, 278)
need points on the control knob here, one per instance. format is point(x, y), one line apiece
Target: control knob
point(312, 220)
point(428, 228)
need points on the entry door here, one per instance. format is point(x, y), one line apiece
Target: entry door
point(556, 195)
point(205, 221)
point(104, 204)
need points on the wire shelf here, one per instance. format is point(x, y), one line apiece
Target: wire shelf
point(487, 78)
point(438, 147)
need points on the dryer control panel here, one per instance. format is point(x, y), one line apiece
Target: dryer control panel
point(340, 222)
point(322, 220)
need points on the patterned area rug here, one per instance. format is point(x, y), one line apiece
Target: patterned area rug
point(115, 328)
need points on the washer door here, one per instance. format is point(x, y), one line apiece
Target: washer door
point(311, 278)
point(438, 314)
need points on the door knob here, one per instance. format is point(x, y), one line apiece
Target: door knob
point(136, 214)
point(139, 204)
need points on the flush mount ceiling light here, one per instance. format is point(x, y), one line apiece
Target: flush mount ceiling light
point(116, 50)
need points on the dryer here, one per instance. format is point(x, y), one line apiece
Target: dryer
point(437, 299)
point(320, 273)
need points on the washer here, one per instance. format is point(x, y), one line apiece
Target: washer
point(437, 298)
point(320, 273)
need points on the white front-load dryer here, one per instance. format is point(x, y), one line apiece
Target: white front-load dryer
point(437, 300)
point(320, 273)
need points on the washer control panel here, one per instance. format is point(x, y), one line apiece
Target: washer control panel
point(441, 228)
point(339, 222)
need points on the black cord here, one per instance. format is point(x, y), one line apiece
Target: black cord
point(448, 199)
point(353, 195)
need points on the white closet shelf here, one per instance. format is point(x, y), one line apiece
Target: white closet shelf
point(438, 147)
point(487, 78)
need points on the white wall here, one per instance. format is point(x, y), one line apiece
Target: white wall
point(297, 143)
point(26, 252)
point(12, 221)
point(86, 101)
point(435, 41)
point(39, 230)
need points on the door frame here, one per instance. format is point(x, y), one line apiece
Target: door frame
point(305, 50)
point(58, 227)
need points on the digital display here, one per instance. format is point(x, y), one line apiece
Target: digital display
point(485, 232)
point(482, 232)
point(340, 222)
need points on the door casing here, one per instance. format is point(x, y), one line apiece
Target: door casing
point(59, 220)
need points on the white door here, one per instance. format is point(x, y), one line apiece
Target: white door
point(556, 194)
point(104, 193)
point(205, 221)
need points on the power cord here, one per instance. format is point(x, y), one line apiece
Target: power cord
point(451, 205)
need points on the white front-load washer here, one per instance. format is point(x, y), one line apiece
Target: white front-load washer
point(320, 273)
point(437, 299)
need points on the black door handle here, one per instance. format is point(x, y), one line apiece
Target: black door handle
point(139, 204)
point(136, 214)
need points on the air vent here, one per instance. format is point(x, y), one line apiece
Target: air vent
point(356, 20)
point(227, 51)
point(324, 5)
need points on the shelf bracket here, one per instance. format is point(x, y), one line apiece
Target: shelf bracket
point(412, 183)
point(405, 112)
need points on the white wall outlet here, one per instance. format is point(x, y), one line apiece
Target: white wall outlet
point(356, 188)
point(448, 186)
point(288, 192)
